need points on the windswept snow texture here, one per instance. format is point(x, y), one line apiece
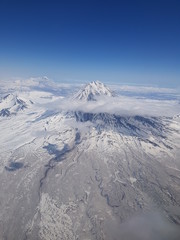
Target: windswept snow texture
point(70, 173)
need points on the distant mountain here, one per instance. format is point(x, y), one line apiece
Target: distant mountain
point(11, 104)
point(93, 90)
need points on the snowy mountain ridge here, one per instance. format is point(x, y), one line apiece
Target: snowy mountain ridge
point(11, 104)
point(92, 90)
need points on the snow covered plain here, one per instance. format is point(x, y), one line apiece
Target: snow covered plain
point(92, 166)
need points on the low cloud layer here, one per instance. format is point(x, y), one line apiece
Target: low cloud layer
point(151, 226)
point(37, 84)
point(143, 89)
point(126, 106)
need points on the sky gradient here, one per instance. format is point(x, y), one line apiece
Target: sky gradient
point(128, 42)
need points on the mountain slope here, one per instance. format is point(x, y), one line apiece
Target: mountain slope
point(11, 104)
point(82, 175)
point(93, 90)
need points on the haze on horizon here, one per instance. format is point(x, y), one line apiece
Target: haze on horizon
point(128, 42)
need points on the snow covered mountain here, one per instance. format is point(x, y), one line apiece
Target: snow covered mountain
point(11, 104)
point(93, 90)
point(72, 174)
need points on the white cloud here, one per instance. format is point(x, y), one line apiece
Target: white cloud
point(37, 83)
point(120, 105)
point(142, 89)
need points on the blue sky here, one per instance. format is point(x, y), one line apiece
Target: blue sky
point(128, 42)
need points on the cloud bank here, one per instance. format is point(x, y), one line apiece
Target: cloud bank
point(124, 106)
point(151, 226)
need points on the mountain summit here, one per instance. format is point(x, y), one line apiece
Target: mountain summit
point(92, 90)
point(11, 104)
